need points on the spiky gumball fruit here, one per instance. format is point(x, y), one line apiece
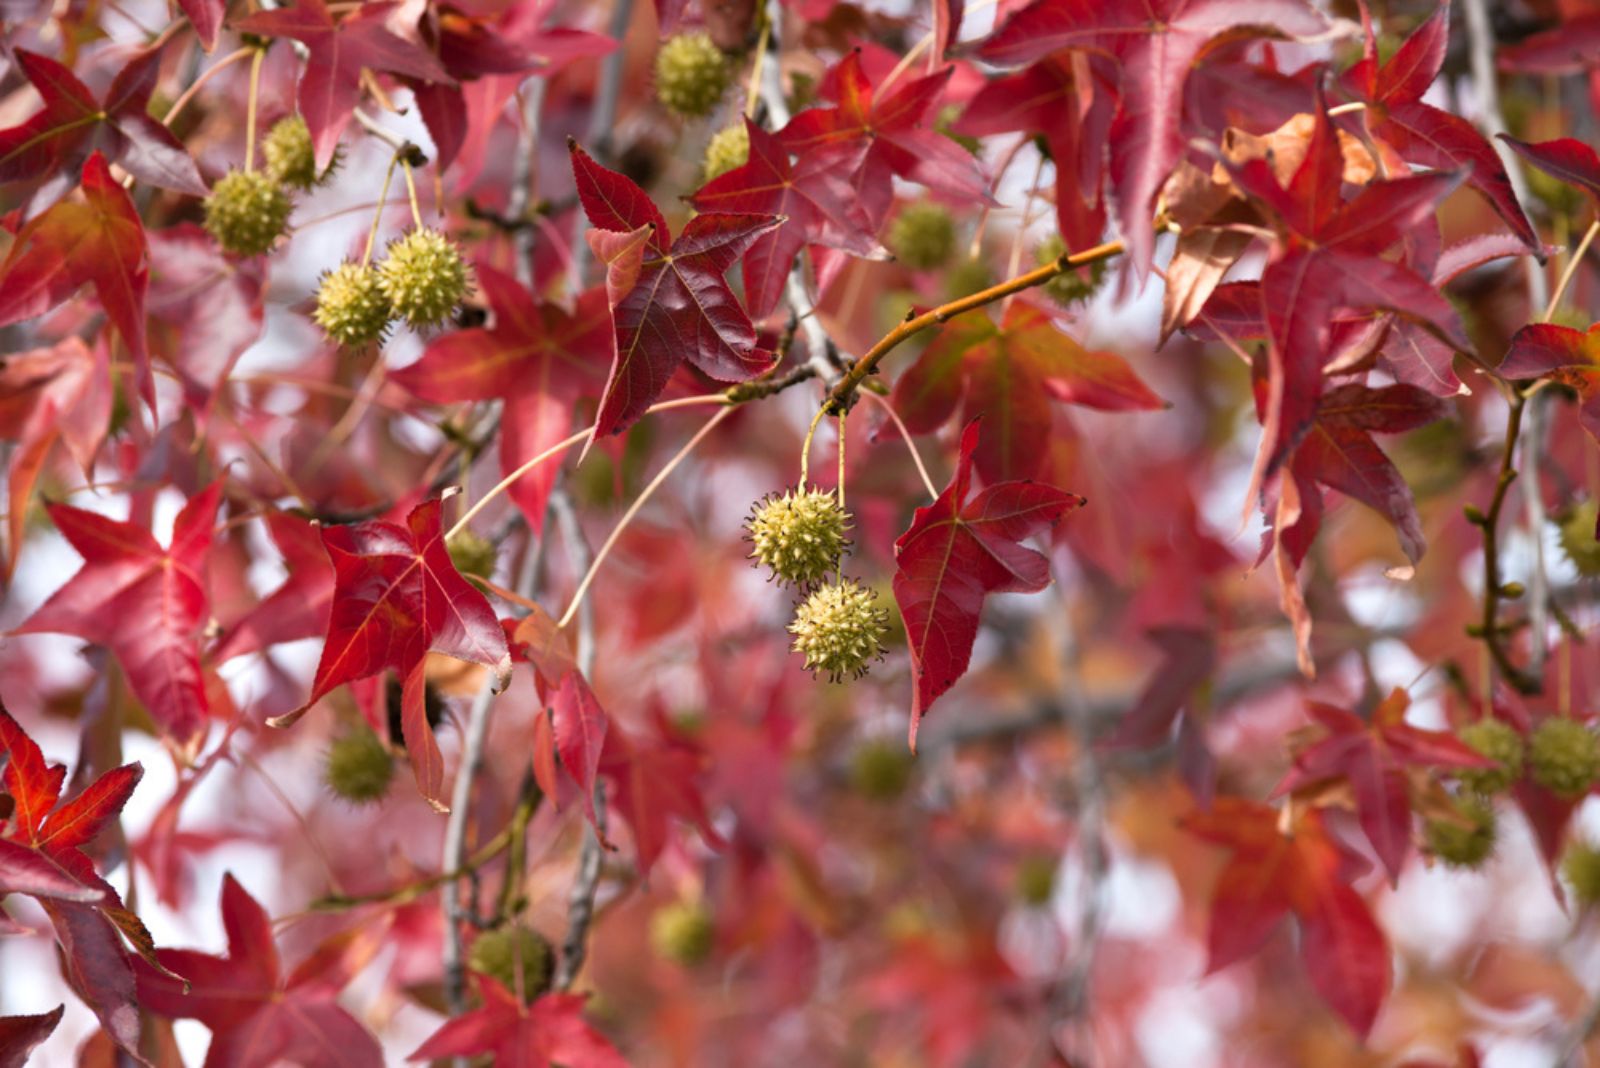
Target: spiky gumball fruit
point(798, 534)
point(1581, 866)
point(290, 157)
point(1577, 538)
point(472, 553)
point(1069, 287)
point(502, 953)
point(359, 767)
point(880, 769)
point(423, 276)
point(352, 308)
point(1564, 757)
point(1036, 880)
point(839, 629)
point(692, 74)
point(682, 932)
point(1466, 841)
point(247, 212)
point(1501, 743)
point(923, 236)
point(728, 150)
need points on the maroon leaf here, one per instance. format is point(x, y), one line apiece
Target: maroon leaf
point(669, 299)
point(655, 782)
point(296, 610)
point(814, 198)
point(1570, 48)
point(580, 733)
point(957, 552)
point(331, 84)
point(19, 1035)
point(1566, 159)
point(144, 603)
point(54, 142)
point(540, 359)
point(548, 1032)
point(1157, 44)
point(397, 596)
point(206, 17)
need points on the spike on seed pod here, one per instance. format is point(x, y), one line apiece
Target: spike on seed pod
point(247, 212)
point(692, 74)
point(1564, 757)
point(423, 276)
point(799, 535)
point(1500, 742)
point(352, 308)
point(839, 629)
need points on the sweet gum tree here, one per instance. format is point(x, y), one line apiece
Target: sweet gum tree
point(494, 487)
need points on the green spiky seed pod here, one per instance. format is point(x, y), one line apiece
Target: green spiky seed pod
point(1500, 742)
point(472, 553)
point(839, 629)
point(682, 932)
point(1577, 538)
point(1464, 843)
point(692, 74)
point(358, 767)
point(1564, 757)
point(352, 308)
point(1036, 880)
point(1069, 287)
point(728, 150)
point(966, 278)
point(247, 212)
point(290, 157)
point(880, 770)
point(499, 953)
point(423, 276)
point(1581, 866)
point(923, 236)
point(798, 535)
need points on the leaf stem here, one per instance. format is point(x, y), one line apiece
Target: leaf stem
point(250, 109)
point(189, 94)
point(1489, 628)
point(911, 446)
point(633, 510)
point(1571, 270)
point(377, 217)
point(411, 192)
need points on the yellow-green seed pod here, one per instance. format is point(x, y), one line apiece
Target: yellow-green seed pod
point(501, 953)
point(1564, 757)
point(839, 629)
point(728, 150)
point(1465, 842)
point(1499, 742)
point(352, 308)
point(692, 74)
point(290, 157)
point(682, 932)
point(799, 535)
point(359, 767)
point(424, 277)
point(247, 212)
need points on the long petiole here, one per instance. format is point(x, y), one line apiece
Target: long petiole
point(250, 110)
point(383, 202)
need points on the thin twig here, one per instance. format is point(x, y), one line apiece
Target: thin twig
point(566, 517)
point(602, 123)
point(911, 446)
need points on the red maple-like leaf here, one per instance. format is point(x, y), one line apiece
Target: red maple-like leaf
point(1373, 757)
point(655, 781)
point(1156, 44)
point(54, 142)
point(891, 130)
point(813, 196)
point(98, 239)
point(669, 300)
point(206, 16)
point(19, 1035)
point(1070, 100)
point(551, 1031)
point(257, 1017)
point(1278, 869)
point(397, 596)
point(577, 734)
point(145, 603)
point(1566, 355)
point(1566, 159)
point(538, 358)
point(295, 610)
point(331, 84)
point(955, 553)
point(40, 856)
point(62, 393)
point(1570, 48)
point(1422, 133)
point(1009, 372)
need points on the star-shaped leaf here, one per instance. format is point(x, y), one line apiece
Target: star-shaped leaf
point(1374, 758)
point(331, 84)
point(551, 1031)
point(538, 358)
point(20, 1035)
point(1156, 42)
point(98, 239)
point(957, 552)
point(258, 1017)
point(1278, 868)
point(145, 603)
point(397, 596)
point(892, 131)
point(669, 299)
point(54, 142)
point(1009, 372)
point(813, 196)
